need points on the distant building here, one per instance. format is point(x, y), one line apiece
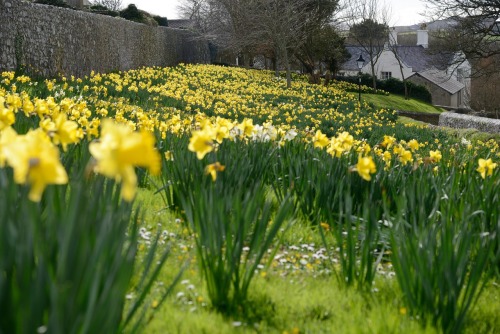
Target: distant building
point(181, 24)
point(447, 81)
point(78, 3)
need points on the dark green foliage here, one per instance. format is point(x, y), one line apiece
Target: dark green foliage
point(233, 220)
point(99, 7)
point(162, 21)
point(103, 10)
point(57, 3)
point(392, 85)
point(442, 244)
point(132, 13)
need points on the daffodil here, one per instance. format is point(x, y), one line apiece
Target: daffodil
point(365, 167)
point(35, 161)
point(7, 117)
point(405, 156)
point(212, 170)
point(388, 141)
point(7, 136)
point(201, 142)
point(320, 139)
point(65, 131)
point(119, 150)
point(413, 145)
point(435, 155)
point(486, 167)
point(246, 127)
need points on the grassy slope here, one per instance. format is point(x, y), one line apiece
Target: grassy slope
point(399, 103)
point(287, 301)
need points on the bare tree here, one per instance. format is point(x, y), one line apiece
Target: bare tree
point(224, 22)
point(473, 28)
point(282, 23)
point(115, 5)
point(369, 29)
point(392, 45)
point(321, 37)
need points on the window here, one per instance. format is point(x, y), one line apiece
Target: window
point(386, 75)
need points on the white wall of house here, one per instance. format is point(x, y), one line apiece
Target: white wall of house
point(387, 63)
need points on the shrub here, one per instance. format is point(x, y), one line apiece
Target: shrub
point(106, 12)
point(99, 7)
point(162, 21)
point(392, 85)
point(57, 3)
point(131, 13)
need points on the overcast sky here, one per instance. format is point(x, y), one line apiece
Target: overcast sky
point(404, 12)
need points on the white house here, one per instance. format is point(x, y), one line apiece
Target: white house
point(447, 80)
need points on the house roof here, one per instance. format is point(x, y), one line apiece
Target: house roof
point(415, 56)
point(351, 64)
point(181, 24)
point(441, 79)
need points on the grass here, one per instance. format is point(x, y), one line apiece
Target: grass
point(288, 298)
point(399, 103)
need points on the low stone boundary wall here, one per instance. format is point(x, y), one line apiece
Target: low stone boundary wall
point(460, 121)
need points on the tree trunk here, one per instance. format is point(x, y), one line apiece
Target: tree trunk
point(288, 71)
point(374, 77)
point(276, 64)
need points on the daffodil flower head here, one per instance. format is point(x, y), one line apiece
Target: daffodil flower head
point(7, 116)
point(35, 161)
point(65, 132)
point(388, 141)
point(486, 167)
point(435, 156)
point(212, 170)
point(119, 150)
point(320, 139)
point(413, 145)
point(365, 167)
point(246, 127)
point(201, 142)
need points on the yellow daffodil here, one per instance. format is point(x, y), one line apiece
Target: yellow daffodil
point(246, 127)
point(486, 167)
point(212, 169)
point(346, 141)
point(325, 226)
point(201, 143)
point(65, 131)
point(169, 156)
point(435, 155)
point(405, 156)
point(320, 139)
point(365, 167)
point(7, 117)
point(119, 150)
point(413, 145)
point(7, 136)
point(388, 141)
point(35, 161)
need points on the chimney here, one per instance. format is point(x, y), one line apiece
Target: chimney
point(423, 36)
point(393, 36)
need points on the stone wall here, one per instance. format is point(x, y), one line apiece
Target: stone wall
point(459, 121)
point(51, 40)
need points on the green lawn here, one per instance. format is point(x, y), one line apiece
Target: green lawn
point(399, 103)
point(287, 298)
